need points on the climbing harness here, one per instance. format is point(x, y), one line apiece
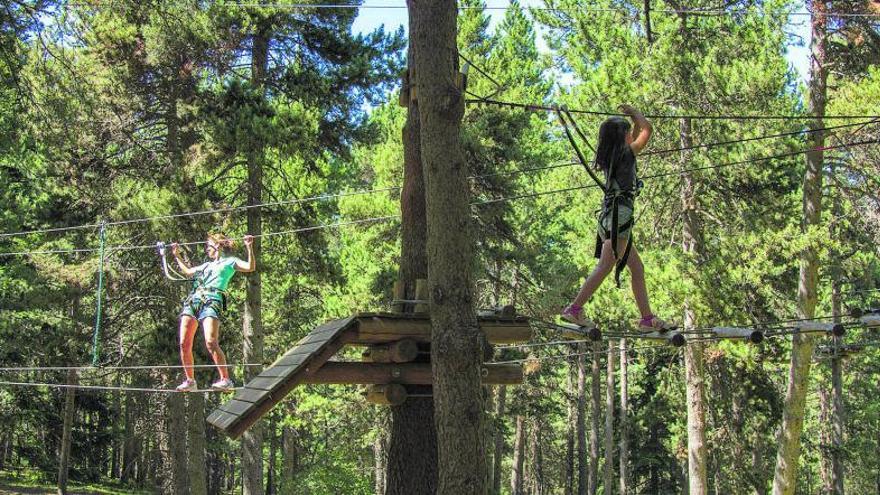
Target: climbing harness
point(612, 199)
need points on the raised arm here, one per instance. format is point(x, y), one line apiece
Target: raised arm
point(251, 263)
point(641, 128)
point(184, 268)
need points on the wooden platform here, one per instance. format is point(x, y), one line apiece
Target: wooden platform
point(307, 362)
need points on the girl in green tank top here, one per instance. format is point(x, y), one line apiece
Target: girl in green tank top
point(206, 302)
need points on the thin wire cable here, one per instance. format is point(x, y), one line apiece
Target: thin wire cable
point(547, 108)
point(115, 368)
point(634, 12)
point(109, 388)
point(477, 203)
point(616, 348)
point(324, 197)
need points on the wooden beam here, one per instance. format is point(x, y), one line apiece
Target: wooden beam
point(836, 329)
point(672, 337)
point(391, 394)
point(406, 374)
point(379, 330)
point(402, 351)
point(748, 334)
point(871, 320)
point(577, 332)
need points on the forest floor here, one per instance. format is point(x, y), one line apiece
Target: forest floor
point(13, 485)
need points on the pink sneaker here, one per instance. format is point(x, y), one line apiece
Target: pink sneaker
point(223, 384)
point(187, 386)
point(653, 324)
point(575, 314)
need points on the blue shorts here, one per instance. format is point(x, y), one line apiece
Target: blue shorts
point(201, 307)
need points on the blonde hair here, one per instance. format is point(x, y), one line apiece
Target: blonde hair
point(225, 244)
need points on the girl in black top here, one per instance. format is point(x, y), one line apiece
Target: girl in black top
point(616, 156)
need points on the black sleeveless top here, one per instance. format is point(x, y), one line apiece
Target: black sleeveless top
point(621, 181)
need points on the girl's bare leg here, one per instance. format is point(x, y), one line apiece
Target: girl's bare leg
point(211, 326)
point(188, 326)
point(637, 274)
point(600, 271)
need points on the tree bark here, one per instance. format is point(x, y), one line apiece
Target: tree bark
point(412, 443)
point(516, 475)
point(195, 422)
point(595, 411)
point(609, 417)
point(175, 444)
point(498, 456)
point(571, 424)
point(624, 420)
point(380, 455)
point(789, 441)
point(837, 413)
point(271, 479)
point(66, 433)
point(583, 461)
point(537, 478)
point(693, 356)
point(288, 460)
point(252, 439)
point(457, 342)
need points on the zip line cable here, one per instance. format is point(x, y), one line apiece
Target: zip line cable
point(477, 203)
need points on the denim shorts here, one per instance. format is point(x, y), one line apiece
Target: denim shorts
point(201, 307)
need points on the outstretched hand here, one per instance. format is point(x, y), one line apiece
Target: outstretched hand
point(248, 240)
point(627, 109)
point(175, 248)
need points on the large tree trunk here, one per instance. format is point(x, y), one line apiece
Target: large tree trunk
point(66, 433)
point(498, 453)
point(537, 478)
point(788, 454)
point(624, 420)
point(609, 418)
point(174, 444)
point(516, 475)
point(289, 460)
point(412, 443)
point(195, 422)
point(582, 460)
point(836, 437)
point(457, 342)
point(595, 411)
point(571, 425)
point(693, 355)
point(380, 454)
point(252, 439)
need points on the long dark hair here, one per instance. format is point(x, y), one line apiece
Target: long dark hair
point(612, 142)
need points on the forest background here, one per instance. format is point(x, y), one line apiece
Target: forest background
point(133, 113)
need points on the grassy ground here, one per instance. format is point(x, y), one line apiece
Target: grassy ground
point(30, 484)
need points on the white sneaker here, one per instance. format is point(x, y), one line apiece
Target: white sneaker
point(187, 386)
point(223, 384)
point(576, 316)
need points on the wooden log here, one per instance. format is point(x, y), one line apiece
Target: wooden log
point(402, 351)
point(342, 373)
point(871, 320)
point(506, 311)
point(391, 394)
point(672, 337)
point(378, 330)
point(836, 329)
point(748, 334)
point(422, 295)
point(399, 293)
